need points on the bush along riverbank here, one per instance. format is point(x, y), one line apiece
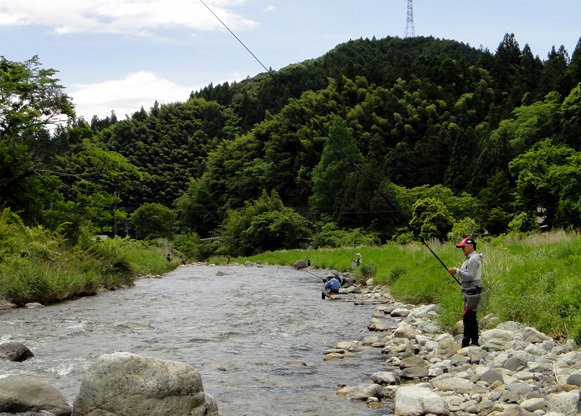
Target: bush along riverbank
point(516, 370)
point(532, 278)
point(37, 265)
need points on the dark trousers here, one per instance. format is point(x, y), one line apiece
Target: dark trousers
point(470, 328)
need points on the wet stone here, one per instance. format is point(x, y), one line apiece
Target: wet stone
point(15, 351)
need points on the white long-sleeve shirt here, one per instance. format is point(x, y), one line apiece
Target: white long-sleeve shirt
point(470, 273)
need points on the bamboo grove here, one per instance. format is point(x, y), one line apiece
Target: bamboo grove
point(462, 140)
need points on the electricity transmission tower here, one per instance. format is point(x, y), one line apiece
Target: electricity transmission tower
point(409, 24)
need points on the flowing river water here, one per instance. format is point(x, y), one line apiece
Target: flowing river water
point(249, 333)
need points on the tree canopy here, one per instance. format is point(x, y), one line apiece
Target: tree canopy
point(457, 138)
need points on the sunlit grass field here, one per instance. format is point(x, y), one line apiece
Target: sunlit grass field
point(533, 279)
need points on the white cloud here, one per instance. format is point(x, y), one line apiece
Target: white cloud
point(125, 96)
point(130, 17)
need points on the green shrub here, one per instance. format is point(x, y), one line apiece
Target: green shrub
point(38, 265)
point(463, 228)
point(405, 238)
point(366, 271)
point(153, 220)
point(188, 245)
point(575, 332)
point(333, 237)
point(110, 259)
point(394, 274)
point(27, 285)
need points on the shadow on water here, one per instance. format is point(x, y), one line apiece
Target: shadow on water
point(257, 336)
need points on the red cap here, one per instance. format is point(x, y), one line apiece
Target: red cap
point(467, 240)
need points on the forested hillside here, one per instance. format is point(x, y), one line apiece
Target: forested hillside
point(460, 140)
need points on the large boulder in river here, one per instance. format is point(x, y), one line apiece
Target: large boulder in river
point(15, 351)
point(130, 385)
point(32, 397)
point(300, 264)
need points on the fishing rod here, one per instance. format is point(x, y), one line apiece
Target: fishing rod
point(316, 122)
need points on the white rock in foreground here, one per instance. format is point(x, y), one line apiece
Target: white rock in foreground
point(419, 400)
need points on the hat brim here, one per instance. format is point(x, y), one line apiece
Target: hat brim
point(464, 244)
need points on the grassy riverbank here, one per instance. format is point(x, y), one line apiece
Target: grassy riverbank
point(39, 266)
point(533, 279)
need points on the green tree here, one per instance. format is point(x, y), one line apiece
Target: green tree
point(533, 123)
point(496, 200)
point(333, 170)
point(459, 206)
point(507, 61)
point(30, 100)
point(332, 236)
point(458, 173)
point(431, 219)
point(153, 220)
point(23, 186)
point(197, 209)
point(516, 135)
point(566, 186)
point(265, 224)
point(554, 74)
point(94, 183)
point(574, 69)
point(277, 230)
point(531, 68)
point(549, 183)
point(466, 226)
point(570, 113)
point(170, 144)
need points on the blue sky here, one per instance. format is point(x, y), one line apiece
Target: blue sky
point(123, 54)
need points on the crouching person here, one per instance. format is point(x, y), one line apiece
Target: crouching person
point(332, 286)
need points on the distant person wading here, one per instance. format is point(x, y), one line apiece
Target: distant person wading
point(356, 262)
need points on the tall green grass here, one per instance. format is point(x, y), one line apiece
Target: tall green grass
point(37, 265)
point(533, 279)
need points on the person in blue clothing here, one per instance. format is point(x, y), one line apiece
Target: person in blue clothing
point(332, 286)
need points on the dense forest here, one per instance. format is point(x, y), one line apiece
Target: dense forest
point(377, 140)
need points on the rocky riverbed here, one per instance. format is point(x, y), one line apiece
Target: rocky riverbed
point(516, 370)
point(422, 371)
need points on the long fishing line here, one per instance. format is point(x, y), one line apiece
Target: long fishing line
point(314, 120)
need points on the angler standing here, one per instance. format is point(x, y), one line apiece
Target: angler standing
point(470, 282)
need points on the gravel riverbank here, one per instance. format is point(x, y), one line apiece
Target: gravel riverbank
point(516, 370)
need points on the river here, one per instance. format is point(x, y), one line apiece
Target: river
point(249, 334)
